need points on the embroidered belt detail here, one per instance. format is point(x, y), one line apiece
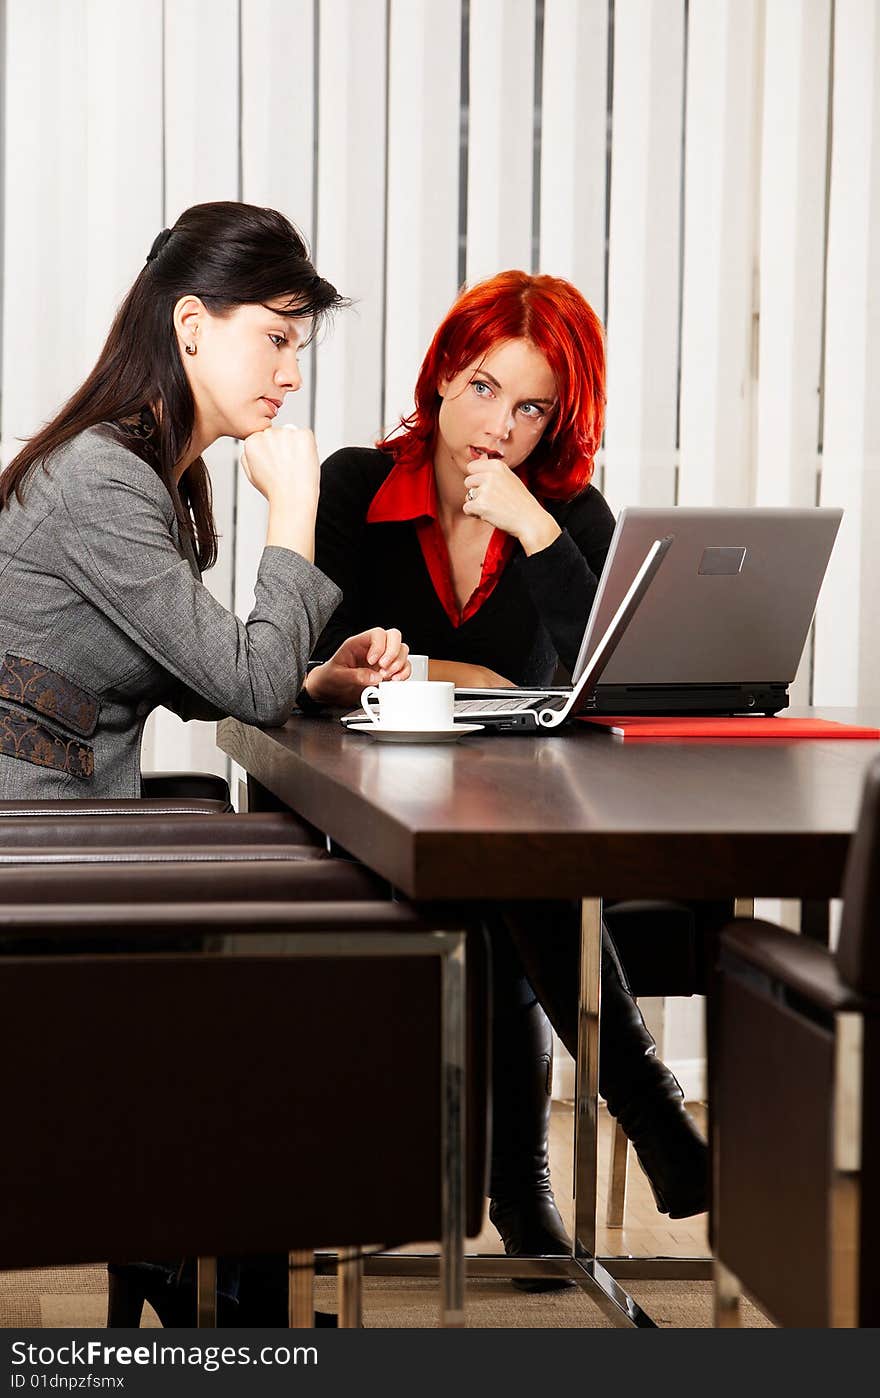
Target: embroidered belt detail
point(26, 738)
point(36, 687)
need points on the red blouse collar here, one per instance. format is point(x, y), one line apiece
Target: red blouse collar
point(409, 494)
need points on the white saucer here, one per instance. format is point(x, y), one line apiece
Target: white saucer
point(415, 735)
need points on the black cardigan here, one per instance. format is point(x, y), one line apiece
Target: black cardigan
point(534, 617)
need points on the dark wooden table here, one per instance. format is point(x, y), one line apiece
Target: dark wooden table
point(576, 815)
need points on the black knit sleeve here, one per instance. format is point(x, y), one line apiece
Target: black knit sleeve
point(563, 577)
point(349, 480)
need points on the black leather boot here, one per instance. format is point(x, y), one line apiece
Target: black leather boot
point(522, 1206)
point(638, 1088)
point(647, 1100)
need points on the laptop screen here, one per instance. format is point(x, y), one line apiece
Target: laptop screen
point(733, 605)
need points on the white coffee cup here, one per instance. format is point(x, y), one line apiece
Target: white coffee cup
point(411, 705)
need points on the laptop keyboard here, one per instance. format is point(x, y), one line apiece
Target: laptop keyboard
point(463, 707)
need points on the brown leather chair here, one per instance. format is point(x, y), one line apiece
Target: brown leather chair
point(199, 791)
point(80, 806)
point(794, 1060)
point(158, 809)
point(135, 829)
point(162, 1064)
point(170, 875)
point(205, 786)
point(48, 854)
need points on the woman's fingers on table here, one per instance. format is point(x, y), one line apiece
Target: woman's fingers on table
point(377, 654)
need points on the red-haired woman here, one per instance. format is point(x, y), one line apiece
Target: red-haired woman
point(476, 531)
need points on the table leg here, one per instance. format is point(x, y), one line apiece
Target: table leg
point(591, 1275)
point(206, 1293)
point(349, 1277)
point(617, 1183)
point(301, 1290)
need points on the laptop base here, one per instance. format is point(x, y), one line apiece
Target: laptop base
point(706, 699)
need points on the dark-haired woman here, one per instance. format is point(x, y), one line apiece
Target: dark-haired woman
point(106, 523)
point(477, 530)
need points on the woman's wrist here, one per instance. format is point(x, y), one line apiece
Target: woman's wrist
point(312, 683)
point(290, 528)
point(540, 532)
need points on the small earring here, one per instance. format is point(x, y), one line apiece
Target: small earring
point(191, 349)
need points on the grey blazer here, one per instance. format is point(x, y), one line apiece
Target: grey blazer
point(103, 616)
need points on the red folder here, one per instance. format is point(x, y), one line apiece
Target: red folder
point(758, 728)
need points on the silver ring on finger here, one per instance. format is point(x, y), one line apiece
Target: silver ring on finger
point(472, 493)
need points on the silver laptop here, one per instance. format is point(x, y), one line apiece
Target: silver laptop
point(724, 628)
point(544, 709)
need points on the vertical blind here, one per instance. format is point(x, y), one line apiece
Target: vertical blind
point(706, 171)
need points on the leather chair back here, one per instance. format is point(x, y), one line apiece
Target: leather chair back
point(794, 1059)
point(54, 827)
point(169, 786)
point(81, 806)
point(174, 875)
point(172, 1102)
point(858, 950)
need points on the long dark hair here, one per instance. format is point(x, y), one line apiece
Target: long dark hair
point(228, 255)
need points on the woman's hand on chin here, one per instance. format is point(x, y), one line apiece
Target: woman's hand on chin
point(500, 498)
point(282, 464)
point(362, 660)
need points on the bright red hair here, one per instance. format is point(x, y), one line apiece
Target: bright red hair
point(553, 316)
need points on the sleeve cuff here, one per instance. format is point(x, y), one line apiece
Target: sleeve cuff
point(563, 553)
point(304, 701)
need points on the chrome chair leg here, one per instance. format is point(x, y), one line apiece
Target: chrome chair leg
point(349, 1281)
point(206, 1293)
point(616, 1303)
point(452, 1132)
point(587, 1079)
point(301, 1290)
point(728, 1295)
